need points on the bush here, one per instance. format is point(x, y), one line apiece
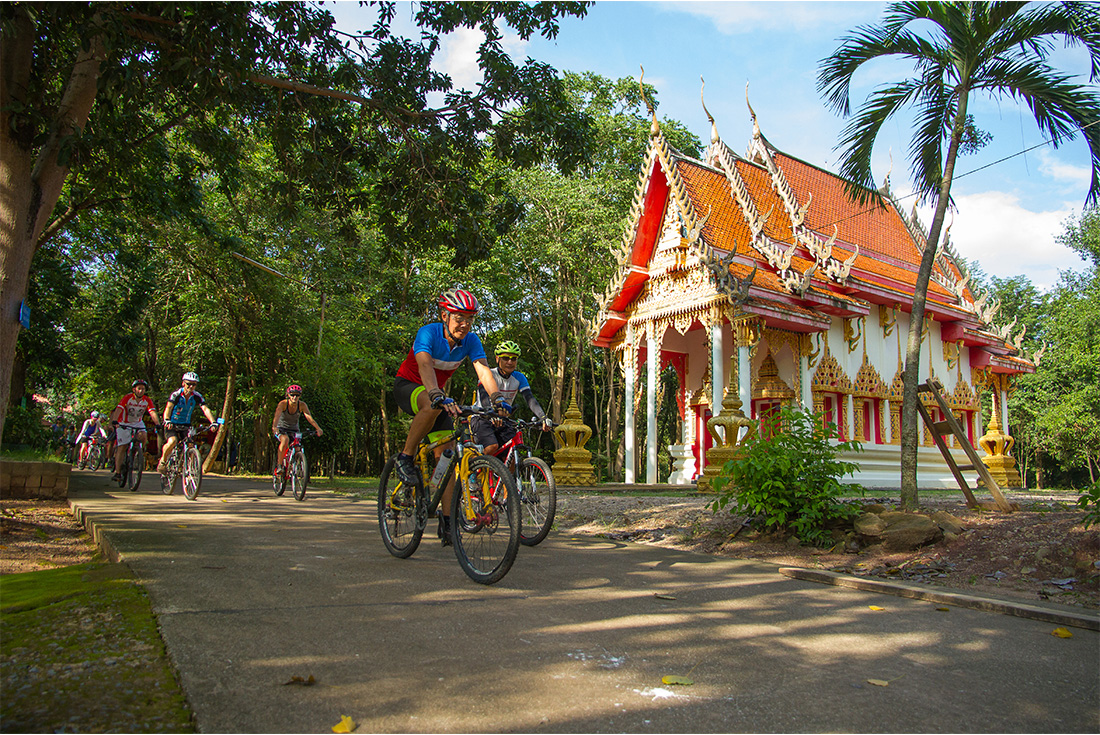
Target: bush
point(1089, 501)
point(24, 426)
point(791, 480)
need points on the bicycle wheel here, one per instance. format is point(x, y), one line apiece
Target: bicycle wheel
point(299, 474)
point(192, 473)
point(171, 472)
point(278, 478)
point(137, 465)
point(397, 507)
point(125, 473)
point(93, 459)
point(485, 535)
point(538, 500)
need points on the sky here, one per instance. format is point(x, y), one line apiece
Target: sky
point(1009, 214)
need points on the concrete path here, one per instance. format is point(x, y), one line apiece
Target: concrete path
point(251, 590)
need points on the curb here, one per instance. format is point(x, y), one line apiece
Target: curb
point(98, 537)
point(918, 592)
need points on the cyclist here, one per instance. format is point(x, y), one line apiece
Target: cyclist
point(285, 422)
point(129, 417)
point(177, 415)
point(437, 351)
point(91, 426)
point(511, 383)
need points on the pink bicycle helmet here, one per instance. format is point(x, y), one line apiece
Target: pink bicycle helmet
point(458, 299)
point(294, 390)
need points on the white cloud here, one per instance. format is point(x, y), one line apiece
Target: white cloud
point(1008, 240)
point(457, 55)
point(732, 18)
point(1058, 168)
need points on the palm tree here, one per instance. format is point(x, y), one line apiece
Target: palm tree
point(958, 49)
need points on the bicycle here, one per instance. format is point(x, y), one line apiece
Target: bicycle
point(294, 469)
point(91, 453)
point(538, 493)
point(133, 463)
point(484, 511)
point(185, 461)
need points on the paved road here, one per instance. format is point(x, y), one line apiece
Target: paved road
point(251, 590)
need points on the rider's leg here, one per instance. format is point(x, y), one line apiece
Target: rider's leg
point(421, 424)
point(169, 445)
point(120, 452)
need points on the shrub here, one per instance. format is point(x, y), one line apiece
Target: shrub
point(1089, 501)
point(790, 481)
point(24, 426)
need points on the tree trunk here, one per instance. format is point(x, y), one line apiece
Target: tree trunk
point(385, 425)
point(227, 414)
point(911, 374)
point(32, 185)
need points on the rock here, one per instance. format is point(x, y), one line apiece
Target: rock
point(947, 522)
point(1042, 552)
point(875, 508)
point(870, 524)
point(794, 541)
point(907, 531)
point(948, 537)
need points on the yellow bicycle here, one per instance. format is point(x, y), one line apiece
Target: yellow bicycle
point(485, 522)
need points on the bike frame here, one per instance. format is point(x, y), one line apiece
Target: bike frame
point(459, 470)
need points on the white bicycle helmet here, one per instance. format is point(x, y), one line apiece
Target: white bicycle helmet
point(190, 376)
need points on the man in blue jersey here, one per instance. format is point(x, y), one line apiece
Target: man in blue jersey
point(512, 384)
point(177, 415)
point(438, 350)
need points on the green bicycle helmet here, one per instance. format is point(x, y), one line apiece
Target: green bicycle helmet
point(508, 347)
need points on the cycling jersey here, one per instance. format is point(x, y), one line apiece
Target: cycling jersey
point(515, 383)
point(133, 409)
point(90, 427)
point(430, 338)
point(183, 407)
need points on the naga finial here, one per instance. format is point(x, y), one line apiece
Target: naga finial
point(713, 127)
point(752, 114)
point(886, 181)
point(654, 128)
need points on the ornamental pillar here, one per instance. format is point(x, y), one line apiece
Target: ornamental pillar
point(717, 381)
point(652, 362)
point(727, 443)
point(997, 443)
point(631, 364)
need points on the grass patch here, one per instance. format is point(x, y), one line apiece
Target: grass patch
point(81, 652)
point(30, 455)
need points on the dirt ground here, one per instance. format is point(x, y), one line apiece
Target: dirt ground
point(1040, 552)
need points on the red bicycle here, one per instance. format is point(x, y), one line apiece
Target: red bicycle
point(538, 494)
point(293, 469)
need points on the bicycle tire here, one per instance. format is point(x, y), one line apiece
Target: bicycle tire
point(299, 474)
point(136, 459)
point(168, 477)
point(123, 477)
point(538, 500)
point(192, 473)
point(94, 458)
point(486, 547)
point(397, 513)
point(278, 479)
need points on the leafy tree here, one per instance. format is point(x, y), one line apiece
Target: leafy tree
point(88, 91)
point(958, 49)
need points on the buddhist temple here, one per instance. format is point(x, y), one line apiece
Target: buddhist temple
point(758, 274)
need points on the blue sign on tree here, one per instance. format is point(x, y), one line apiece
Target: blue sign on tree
point(24, 315)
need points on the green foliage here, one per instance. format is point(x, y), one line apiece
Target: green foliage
point(24, 426)
point(331, 409)
point(1089, 501)
point(790, 481)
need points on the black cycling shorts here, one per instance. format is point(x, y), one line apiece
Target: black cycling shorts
point(407, 393)
point(486, 434)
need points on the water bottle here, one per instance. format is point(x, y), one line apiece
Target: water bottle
point(441, 467)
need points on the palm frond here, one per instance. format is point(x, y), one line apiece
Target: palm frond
point(857, 140)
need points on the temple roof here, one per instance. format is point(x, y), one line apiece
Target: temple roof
point(800, 244)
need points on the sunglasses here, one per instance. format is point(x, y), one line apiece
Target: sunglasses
point(190, 384)
point(462, 319)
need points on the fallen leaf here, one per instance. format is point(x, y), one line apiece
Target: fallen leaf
point(659, 596)
point(180, 525)
point(224, 500)
point(1061, 633)
point(943, 609)
point(878, 682)
point(673, 680)
point(876, 608)
point(346, 724)
point(299, 680)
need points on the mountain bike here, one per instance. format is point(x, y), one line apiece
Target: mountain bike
point(538, 494)
point(484, 511)
point(133, 463)
point(186, 462)
point(294, 468)
point(91, 453)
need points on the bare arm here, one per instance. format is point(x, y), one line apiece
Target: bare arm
point(309, 417)
point(426, 365)
point(278, 413)
point(168, 410)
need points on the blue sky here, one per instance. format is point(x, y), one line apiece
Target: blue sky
point(1009, 214)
